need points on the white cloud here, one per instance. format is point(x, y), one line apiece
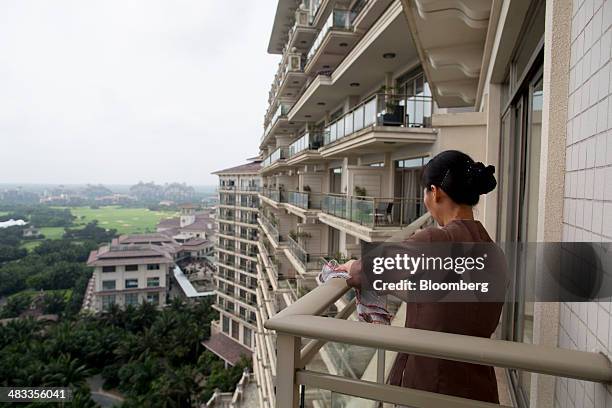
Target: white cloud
point(117, 91)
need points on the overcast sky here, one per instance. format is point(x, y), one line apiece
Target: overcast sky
point(117, 91)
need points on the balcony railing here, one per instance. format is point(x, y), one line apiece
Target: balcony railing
point(309, 262)
point(227, 262)
point(374, 211)
point(252, 236)
point(281, 111)
point(248, 220)
point(338, 20)
point(298, 198)
point(250, 203)
point(311, 140)
point(227, 231)
point(227, 201)
point(247, 252)
point(275, 194)
point(382, 110)
point(227, 247)
point(270, 228)
point(302, 320)
point(280, 153)
point(227, 216)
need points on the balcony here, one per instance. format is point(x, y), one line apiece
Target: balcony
point(302, 34)
point(225, 199)
point(309, 142)
point(227, 247)
point(302, 320)
point(227, 231)
point(333, 42)
point(274, 196)
point(382, 113)
point(289, 78)
point(276, 121)
point(277, 155)
point(226, 187)
point(306, 261)
point(270, 229)
point(374, 212)
point(227, 216)
point(251, 202)
point(382, 49)
point(251, 236)
point(247, 252)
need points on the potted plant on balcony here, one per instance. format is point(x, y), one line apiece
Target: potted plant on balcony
point(303, 235)
point(393, 114)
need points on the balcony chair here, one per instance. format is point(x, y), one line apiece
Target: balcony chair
point(383, 214)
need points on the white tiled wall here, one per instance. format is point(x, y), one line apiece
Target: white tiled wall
point(588, 185)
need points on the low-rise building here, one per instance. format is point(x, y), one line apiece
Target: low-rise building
point(129, 275)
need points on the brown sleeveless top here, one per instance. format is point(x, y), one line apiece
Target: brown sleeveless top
point(473, 319)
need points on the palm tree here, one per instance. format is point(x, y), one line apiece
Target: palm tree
point(65, 371)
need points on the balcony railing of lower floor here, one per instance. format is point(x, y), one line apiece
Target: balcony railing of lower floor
point(271, 229)
point(374, 212)
point(308, 261)
point(302, 319)
point(274, 194)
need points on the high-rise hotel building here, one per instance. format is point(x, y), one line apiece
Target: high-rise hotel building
point(233, 335)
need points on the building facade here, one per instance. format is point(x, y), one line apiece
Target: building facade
point(129, 275)
point(367, 91)
point(234, 334)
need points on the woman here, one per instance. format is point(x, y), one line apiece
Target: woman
point(453, 184)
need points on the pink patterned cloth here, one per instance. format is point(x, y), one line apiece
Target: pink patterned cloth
point(370, 307)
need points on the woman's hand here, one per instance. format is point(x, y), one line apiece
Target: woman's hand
point(354, 272)
point(345, 267)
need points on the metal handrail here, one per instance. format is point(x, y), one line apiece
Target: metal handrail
point(301, 319)
point(382, 109)
point(373, 211)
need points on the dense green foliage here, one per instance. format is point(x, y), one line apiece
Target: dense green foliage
point(52, 265)
point(10, 238)
point(154, 358)
point(40, 215)
point(91, 232)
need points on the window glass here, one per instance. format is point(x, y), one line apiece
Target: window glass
point(108, 301)
point(153, 267)
point(246, 336)
point(235, 330)
point(108, 285)
point(153, 298)
point(131, 283)
point(153, 282)
point(226, 324)
point(131, 299)
point(519, 187)
point(108, 269)
point(130, 268)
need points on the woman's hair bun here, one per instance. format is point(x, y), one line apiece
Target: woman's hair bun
point(481, 177)
point(461, 178)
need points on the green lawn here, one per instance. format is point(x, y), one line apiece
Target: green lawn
point(52, 232)
point(124, 220)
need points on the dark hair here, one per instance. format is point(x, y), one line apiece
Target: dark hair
point(461, 178)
